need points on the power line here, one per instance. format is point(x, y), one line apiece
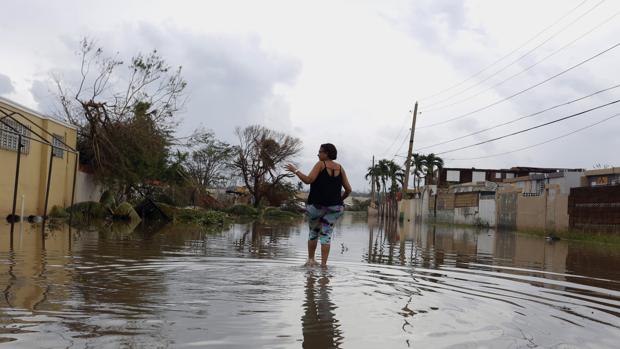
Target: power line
point(508, 54)
point(401, 146)
point(541, 143)
point(525, 69)
point(521, 118)
point(400, 130)
point(524, 90)
point(530, 128)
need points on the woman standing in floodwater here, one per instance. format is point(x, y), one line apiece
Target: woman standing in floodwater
point(326, 199)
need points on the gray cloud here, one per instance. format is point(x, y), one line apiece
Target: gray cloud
point(231, 79)
point(6, 86)
point(43, 93)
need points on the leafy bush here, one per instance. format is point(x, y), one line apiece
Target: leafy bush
point(88, 210)
point(125, 211)
point(243, 210)
point(200, 216)
point(277, 214)
point(359, 205)
point(58, 212)
point(107, 200)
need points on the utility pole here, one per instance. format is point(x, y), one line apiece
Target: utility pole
point(410, 152)
point(372, 185)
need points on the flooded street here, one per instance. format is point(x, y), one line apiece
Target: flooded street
point(389, 287)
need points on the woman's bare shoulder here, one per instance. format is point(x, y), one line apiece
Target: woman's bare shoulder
point(319, 164)
point(333, 165)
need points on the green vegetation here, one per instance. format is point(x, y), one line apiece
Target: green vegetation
point(87, 210)
point(268, 213)
point(576, 235)
point(201, 217)
point(58, 212)
point(571, 235)
point(422, 166)
point(126, 123)
point(243, 210)
point(359, 205)
point(273, 213)
point(125, 211)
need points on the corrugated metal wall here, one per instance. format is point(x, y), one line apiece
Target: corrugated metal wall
point(466, 199)
point(594, 206)
point(445, 201)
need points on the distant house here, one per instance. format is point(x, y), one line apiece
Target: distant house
point(601, 177)
point(534, 184)
point(449, 176)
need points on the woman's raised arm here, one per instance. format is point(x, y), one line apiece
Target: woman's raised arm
point(308, 179)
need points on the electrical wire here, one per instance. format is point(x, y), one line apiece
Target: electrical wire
point(506, 55)
point(501, 100)
point(530, 128)
point(541, 143)
point(520, 118)
point(526, 68)
point(397, 137)
point(401, 146)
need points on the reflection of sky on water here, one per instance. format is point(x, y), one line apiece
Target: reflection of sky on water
point(388, 286)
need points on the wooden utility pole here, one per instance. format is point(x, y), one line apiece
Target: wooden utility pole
point(410, 152)
point(372, 185)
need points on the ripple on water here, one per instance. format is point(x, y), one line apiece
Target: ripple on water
point(247, 287)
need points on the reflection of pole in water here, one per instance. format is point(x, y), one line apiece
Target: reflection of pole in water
point(370, 234)
point(401, 252)
point(319, 326)
point(12, 277)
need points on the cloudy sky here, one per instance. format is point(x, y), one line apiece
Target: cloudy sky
point(349, 72)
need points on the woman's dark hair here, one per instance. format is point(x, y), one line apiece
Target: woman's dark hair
point(330, 150)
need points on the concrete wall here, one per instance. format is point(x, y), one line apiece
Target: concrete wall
point(465, 215)
point(530, 212)
point(507, 209)
point(547, 211)
point(86, 189)
point(34, 166)
point(570, 180)
point(488, 212)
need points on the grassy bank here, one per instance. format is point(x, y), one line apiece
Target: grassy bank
point(576, 235)
point(270, 214)
point(571, 235)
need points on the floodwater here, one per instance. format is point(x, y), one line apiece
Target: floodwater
point(245, 287)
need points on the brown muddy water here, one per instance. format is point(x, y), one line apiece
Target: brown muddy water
point(245, 287)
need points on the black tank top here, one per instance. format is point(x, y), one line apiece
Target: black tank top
point(326, 190)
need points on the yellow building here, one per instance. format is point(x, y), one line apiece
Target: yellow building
point(39, 131)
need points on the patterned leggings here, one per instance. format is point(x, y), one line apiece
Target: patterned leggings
point(321, 219)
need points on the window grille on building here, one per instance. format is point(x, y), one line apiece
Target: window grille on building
point(528, 195)
point(9, 137)
point(57, 141)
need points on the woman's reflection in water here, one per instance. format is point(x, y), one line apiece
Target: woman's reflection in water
point(320, 327)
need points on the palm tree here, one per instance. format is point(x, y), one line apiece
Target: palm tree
point(384, 172)
point(396, 175)
point(432, 161)
point(418, 169)
point(374, 172)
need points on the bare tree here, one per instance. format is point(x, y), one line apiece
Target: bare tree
point(105, 102)
point(209, 159)
point(259, 158)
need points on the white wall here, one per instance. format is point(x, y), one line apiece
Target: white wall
point(487, 211)
point(570, 180)
point(86, 189)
